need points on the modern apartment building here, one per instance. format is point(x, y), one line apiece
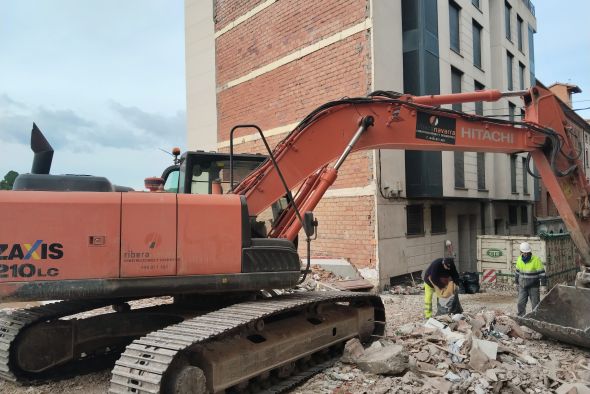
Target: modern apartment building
point(272, 62)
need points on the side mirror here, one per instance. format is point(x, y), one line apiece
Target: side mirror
point(309, 223)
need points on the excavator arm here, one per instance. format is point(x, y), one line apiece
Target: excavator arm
point(389, 121)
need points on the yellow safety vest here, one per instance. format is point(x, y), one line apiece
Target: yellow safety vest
point(531, 273)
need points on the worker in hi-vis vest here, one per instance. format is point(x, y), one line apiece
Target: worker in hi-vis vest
point(441, 278)
point(529, 275)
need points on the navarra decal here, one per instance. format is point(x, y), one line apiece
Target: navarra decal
point(37, 250)
point(436, 128)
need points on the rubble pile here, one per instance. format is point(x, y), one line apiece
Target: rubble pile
point(486, 352)
point(321, 275)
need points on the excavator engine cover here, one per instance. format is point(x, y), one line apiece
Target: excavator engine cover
point(564, 314)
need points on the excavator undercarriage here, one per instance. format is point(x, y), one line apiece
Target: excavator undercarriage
point(274, 342)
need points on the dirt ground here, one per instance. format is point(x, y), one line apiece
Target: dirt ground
point(400, 309)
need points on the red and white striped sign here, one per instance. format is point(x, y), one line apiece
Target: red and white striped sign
point(489, 276)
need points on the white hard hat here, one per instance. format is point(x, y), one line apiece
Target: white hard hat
point(525, 247)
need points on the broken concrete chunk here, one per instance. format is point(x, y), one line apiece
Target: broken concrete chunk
point(515, 330)
point(481, 354)
point(389, 360)
point(406, 329)
point(573, 388)
point(463, 326)
point(422, 355)
point(410, 378)
point(382, 386)
point(443, 386)
point(375, 346)
point(484, 383)
point(433, 323)
point(491, 375)
point(451, 377)
point(458, 317)
point(489, 348)
point(502, 328)
point(352, 351)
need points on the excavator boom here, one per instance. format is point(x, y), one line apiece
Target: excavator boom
point(387, 121)
point(412, 123)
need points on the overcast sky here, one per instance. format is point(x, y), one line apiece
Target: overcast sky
point(105, 80)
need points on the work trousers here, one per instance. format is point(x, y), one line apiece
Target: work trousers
point(524, 294)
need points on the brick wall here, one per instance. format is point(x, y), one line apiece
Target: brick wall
point(228, 10)
point(281, 29)
point(346, 229)
point(288, 93)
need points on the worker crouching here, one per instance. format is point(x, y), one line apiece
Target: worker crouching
point(441, 278)
point(529, 274)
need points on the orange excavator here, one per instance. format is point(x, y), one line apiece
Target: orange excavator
point(198, 238)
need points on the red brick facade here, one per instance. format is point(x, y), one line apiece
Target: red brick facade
point(226, 11)
point(280, 30)
point(288, 93)
point(346, 229)
point(285, 95)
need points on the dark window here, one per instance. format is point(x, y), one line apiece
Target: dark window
point(521, 69)
point(511, 111)
point(509, 62)
point(456, 85)
point(437, 219)
point(415, 219)
point(454, 13)
point(460, 170)
point(475, 3)
point(525, 178)
point(476, 44)
point(522, 113)
point(519, 31)
point(479, 104)
point(507, 17)
point(481, 171)
point(513, 215)
point(531, 55)
point(513, 173)
point(524, 214)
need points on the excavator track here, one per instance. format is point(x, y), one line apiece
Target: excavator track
point(13, 324)
point(170, 359)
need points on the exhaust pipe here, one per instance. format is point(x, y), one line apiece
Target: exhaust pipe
point(43, 152)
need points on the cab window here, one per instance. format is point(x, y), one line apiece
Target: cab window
point(171, 185)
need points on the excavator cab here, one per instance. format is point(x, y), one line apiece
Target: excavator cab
point(208, 172)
